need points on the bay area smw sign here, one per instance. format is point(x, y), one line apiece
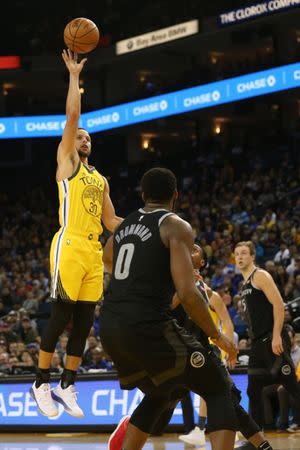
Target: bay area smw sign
point(157, 37)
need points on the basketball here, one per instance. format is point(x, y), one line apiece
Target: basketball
point(81, 35)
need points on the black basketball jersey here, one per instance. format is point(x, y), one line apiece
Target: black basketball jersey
point(258, 310)
point(141, 286)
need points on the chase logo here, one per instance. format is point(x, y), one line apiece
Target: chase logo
point(259, 83)
point(202, 99)
point(103, 120)
point(197, 360)
point(150, 108)
point(42, 126)
point(2, 128)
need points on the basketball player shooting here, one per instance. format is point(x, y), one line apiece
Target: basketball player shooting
point(76, 254)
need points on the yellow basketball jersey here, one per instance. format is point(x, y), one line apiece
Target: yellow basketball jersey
point(81, 201)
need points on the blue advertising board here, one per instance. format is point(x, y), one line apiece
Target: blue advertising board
point(102, 401)
point(199, 97)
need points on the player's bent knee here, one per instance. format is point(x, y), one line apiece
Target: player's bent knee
point(221, 413)
point(148, 411)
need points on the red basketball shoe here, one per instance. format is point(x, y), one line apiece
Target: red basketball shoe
point(116, 439)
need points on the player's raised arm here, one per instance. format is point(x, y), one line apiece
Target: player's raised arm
point(67, 156)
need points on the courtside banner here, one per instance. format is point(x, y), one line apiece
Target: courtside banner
point(157, 37)
point(199, 97)
point(255, 10)
point(102, 401)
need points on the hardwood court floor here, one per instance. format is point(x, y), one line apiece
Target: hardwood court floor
point(87, 441)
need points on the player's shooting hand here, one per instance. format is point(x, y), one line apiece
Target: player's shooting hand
point(227, 345)
point(71, 61)
point(277, 346)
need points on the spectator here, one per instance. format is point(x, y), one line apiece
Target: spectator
point(259, 249)
point(6, 332)
point(239, 323)
point(92, 343)
point(271, 268)
point(27, 360)
point(61, 347)
point(33, 348)
point(294, 269)
point(281, 278)
point(2, 309)
point(217, 279)
point(4, 363)
point(56, 364)
point(99, 360)
point(283, 255)
point(294, 259)
point(288, 318)
point(31, 303)
point(296, 287)
point(27, 333)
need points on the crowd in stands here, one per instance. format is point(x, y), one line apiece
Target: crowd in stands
point(249, 196)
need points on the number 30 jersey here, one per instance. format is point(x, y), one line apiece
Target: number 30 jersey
point(141, 286)
point(81, 201)
point(76, 265)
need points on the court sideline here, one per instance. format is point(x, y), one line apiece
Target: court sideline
point(72, 441)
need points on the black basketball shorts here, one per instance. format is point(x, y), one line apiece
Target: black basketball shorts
point(163, 356)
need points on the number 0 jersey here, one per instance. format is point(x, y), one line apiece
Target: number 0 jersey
point(141, 286)
point(81, 201)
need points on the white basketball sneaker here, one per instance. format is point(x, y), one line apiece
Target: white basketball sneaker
point(238, 436)
point(237, 440)
point(43, 399)
point(194, 437)
point(68, 398)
